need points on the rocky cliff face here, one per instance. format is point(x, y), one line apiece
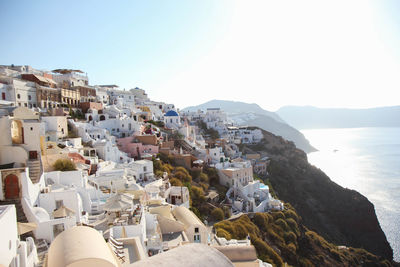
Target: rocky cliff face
point(342, 216)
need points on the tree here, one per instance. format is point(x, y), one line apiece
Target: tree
point(184, 177)
point(217, 214)
point(64, 165)
point(175, 182)
point(197, 195)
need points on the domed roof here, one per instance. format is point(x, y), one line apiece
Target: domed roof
point(171, 113)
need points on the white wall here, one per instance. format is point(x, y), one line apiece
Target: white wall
point(70, 198)
point(45, 227)
point(8, 233)
point(56, 123)
point(30, 191)
point(66, 178)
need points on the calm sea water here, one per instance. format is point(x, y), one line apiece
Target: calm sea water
point(366, 160)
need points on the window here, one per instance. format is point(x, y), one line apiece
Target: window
point(3, 96)
point(18, 96)
point(196, 229)
point(196, 238)
point(31, 128)
point(59, 204)
point(25, 104)
point(19, 104)
point(29, 97)
point(145, 169)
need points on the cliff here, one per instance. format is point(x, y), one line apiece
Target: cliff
point(342, 216)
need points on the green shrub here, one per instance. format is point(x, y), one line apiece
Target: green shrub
point(182, 169)
point(291, 247)
point(291, 214)
point(290, 237)
point(263, 249)
point(184, 177)
point(217, 214)
point(159, 173)
point(175, 182)
point(278, 215)
point(282, 224)
point(64, 165)
point(292, 224)
point(261, 221)
point(197, 195)
point(223, 233)
point(204, 177)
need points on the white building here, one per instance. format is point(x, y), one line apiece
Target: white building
point(140, 95)
point(178, 195)
point(245, 194)
point(244, 134)
point(22, 93)
point(142, 169)
point(172, 120)
point(71, 79)
point(56, 127)
point(14, 253)
point(216, 119)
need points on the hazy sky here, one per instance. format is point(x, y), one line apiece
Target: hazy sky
point(273, 53)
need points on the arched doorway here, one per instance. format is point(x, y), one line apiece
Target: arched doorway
point(11, 186)
point(90, 118)
point(17, 132)
point(102, 117)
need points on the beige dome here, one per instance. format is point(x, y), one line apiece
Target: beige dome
point(80, 246)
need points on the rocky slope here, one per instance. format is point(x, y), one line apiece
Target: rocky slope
point(281, 237)
point(253, 115)
point(341, 216)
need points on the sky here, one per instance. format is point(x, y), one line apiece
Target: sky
point(273, 53)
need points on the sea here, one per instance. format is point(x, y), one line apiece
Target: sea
point(368, 161)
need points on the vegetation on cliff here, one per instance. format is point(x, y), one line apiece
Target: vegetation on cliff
point(281, 237)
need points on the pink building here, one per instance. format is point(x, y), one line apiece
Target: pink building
point(134, 149)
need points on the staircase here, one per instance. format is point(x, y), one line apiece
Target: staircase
point(20, 214)
point(185, 145)
point(34, 170)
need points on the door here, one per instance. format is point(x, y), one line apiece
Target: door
point(11, 186)
point(33, 154)
point(57, 229)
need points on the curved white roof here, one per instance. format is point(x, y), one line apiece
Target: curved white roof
point(190, 255)
point(186, 216)
point(41, 214)
point(80, 246)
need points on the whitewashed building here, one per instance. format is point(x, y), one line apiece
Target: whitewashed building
point(14, 252)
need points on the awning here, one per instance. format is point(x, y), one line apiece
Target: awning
point(25, 227)
point(63, 212)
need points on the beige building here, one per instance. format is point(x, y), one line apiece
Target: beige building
point(70, 97)
point(195, 230)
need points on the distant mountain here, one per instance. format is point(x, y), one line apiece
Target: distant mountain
point(309, 117)
point(235, 107)
point(253, 115)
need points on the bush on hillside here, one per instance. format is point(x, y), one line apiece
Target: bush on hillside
point(64, 165)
